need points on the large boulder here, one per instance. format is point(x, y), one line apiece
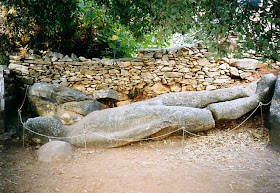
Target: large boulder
point(55, 93)
point(119, 126)
point(71, 112)
point(65, 104)
point(55, 151)
point(230, 110)
point(274, 117)
point(47, 126)
point(122, 125)
point(200, 99)
point(265, 87)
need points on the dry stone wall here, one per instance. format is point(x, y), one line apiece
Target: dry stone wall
point(153, 71)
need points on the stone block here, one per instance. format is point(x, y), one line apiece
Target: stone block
point(173, 74)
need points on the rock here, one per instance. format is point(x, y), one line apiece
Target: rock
point(185, 70)
point(122, 103)
point(246, 64)
point(262, 65)
point(30, 57)
point(210, 87)
point(166, 69)
point(203, 62)
point(106, 94)
point(200, 99)
point(274, 117)
point(55, 151)
point(54, 59)
point(122, 125)
point(67, 117)
point(159, 88)
point(23, 70)
point(17, 58)
point(265, 87)
point(27, 80)
point(213, 74)
point(224, 66)
point(231, 110)
point(173, 74)
point(108, 62)
point(245, 75)
point(65, 104)
point(54, 93)
point(175, 88)
point(147, 76)
point(124, 64)
point(72, 112)
point(74, 57)
point(158, 55)
point(65, 59)
point(220, 81)
point(82, 107)
point(83, 59)
point(234, 71)
point(47, 126)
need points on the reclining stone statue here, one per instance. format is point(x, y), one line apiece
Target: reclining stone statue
point(195, 111)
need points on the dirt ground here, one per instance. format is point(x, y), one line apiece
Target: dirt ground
point(216, 161)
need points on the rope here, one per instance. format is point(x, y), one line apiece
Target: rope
point(19, 112)
point(145, 139)
point(85, 141)
point(259, 105)
point(183, 140)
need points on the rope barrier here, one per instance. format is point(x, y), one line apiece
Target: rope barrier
point(47, 136)
point(128, 140)
point(19, 112)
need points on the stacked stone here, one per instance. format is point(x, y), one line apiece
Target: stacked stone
point(184, 69)
point(154, 71)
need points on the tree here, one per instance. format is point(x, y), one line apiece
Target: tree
point(256, 22)
point(40, 23)
point(79, 26)
point(87, 27)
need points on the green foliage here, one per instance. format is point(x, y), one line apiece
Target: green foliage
point(100, 35)
point(43, 24)
point(115, 28)
point(82, 27)
point(214, 21)
point(4, 37)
